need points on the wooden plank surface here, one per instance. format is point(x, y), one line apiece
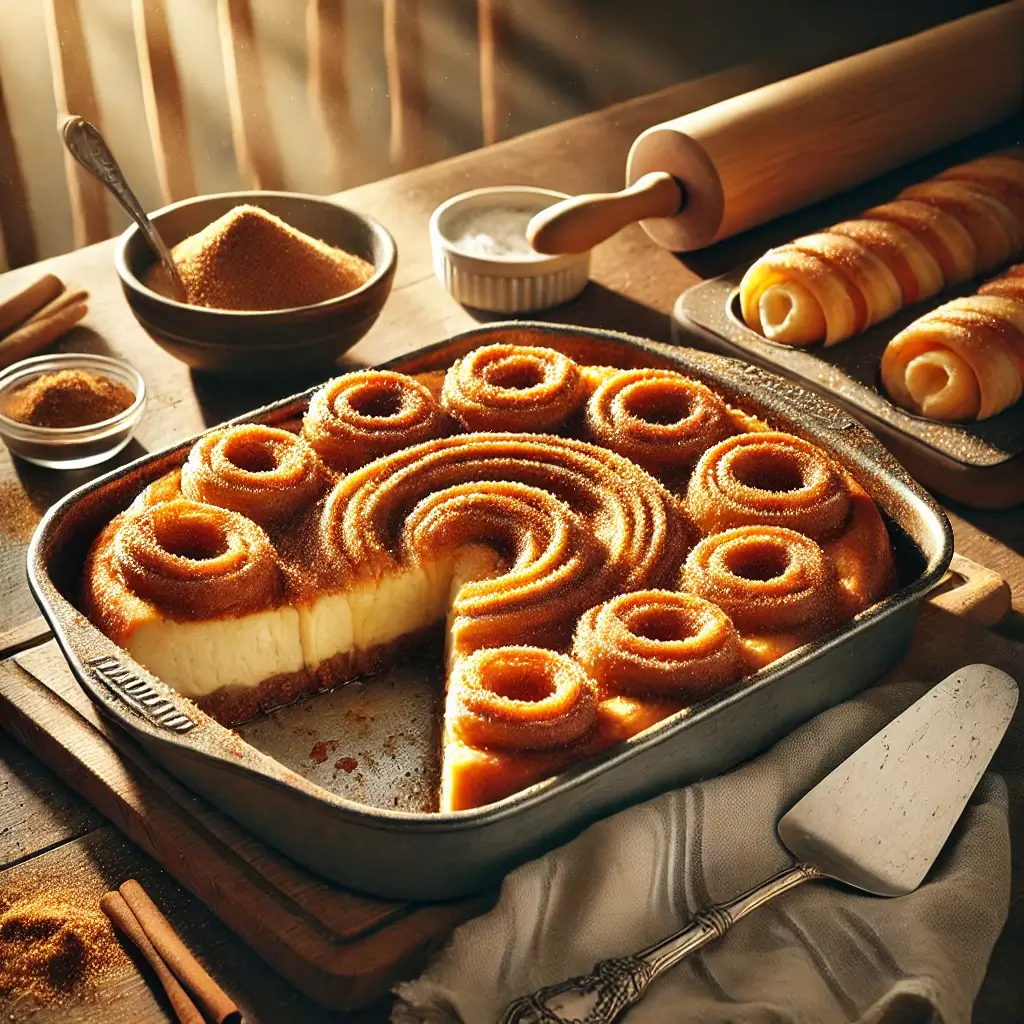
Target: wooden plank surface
point(37, 810)
point(28, 634)
point(100, 861)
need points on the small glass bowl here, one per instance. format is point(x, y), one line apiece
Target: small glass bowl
point(70, 447)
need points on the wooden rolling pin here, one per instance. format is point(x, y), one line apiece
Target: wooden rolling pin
point(721, 170)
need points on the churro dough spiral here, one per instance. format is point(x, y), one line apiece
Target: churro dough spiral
point(364, 415)
point(567, 502)
point(765, 578)
point(265, 473)
point(196, 561)
point(659, 419)
point(658, 643)
point(520, 698)
point(553, 568)
point(771, 478)
point(512, 387)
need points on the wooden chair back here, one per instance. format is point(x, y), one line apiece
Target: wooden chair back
point(256, 150)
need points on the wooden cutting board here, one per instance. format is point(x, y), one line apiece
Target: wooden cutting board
point(341, 949)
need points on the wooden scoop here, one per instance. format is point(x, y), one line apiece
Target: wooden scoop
point(579, 223)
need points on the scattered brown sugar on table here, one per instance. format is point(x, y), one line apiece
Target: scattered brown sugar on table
point(68, 398)
point(54, 944)
point(251, 260)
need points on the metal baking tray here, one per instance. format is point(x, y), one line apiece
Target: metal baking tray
point(980, 464)
point(342, 781)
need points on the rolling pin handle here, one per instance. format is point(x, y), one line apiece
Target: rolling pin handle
point(579, 223)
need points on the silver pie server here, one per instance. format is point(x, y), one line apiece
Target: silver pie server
point(86, 144)
point(876, 823)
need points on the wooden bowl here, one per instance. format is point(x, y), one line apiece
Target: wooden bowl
point(270, 343)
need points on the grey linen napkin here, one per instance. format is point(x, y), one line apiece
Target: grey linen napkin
point(820, 953)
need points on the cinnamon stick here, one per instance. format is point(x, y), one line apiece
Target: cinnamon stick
point(44, 327)
point(20, 306)
point(217, 1005)
point(114, 906)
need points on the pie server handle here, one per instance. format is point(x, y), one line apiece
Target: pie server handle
point(615, 985)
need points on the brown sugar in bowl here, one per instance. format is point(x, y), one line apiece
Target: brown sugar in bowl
point(264, 343)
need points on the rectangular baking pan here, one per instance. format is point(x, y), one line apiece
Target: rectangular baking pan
point(378, 838)
point(980, 464)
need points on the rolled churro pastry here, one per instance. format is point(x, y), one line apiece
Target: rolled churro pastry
point(1008, 285)
point(824, 287)
point(945, 238)
point(909, 259)
point(862, 556)
point(996, 232)
point(658, 643)
point(361, 416)
point(520, 698)
point(564, 564)
point(829, 286)
point(660, 420)
point(1000, 174)
point(551, 567)
point(775, 479)
point(965, 359)
point(265, 473)
point(768, 478)
point(512, 387)
point(765, 578)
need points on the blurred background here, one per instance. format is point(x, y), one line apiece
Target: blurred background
point(317, 96)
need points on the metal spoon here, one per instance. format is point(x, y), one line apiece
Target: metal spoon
point(85, 143)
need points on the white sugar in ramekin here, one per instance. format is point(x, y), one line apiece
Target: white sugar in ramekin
point(481, 258)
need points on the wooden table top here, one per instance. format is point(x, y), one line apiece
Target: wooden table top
point(45, 827)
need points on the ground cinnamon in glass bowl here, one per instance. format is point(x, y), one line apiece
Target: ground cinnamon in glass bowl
point(69, 410)
point(68, 398)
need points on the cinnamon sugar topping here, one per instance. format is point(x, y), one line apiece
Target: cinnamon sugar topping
point(53, 945)
point(251, 260)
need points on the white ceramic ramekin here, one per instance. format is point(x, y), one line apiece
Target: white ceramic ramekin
point(502, 282)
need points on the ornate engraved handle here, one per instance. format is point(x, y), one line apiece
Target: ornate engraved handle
point(85, 143)
point(615, 985)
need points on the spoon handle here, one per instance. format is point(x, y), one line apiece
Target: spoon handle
point(85, 143)
point(615, 985)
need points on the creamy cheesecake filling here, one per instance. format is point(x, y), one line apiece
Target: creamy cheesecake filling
point(199, 658)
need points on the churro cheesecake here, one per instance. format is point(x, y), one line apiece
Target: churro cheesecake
point(596, 549)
